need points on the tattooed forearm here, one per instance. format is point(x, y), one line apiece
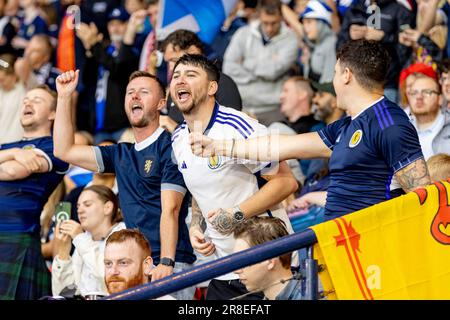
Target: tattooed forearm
point(414, 175)
point(197, 217)
point(224, 222)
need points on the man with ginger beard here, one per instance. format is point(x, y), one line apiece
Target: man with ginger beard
point(128, 261)
point(151, 190)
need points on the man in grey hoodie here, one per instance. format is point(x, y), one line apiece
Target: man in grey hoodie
point(258, 59)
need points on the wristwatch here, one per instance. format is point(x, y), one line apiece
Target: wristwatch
point(167, 262)
point(238, 215)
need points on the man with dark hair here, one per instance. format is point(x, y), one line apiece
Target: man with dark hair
point(369, 148)
point(128, 261)
point(258, 59)
point(234, 186)
point(444, 70)
point(151, 190)
point(274, 276)
point(29, 172)
point(182, 42)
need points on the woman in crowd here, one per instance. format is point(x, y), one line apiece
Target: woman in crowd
point(83, 272)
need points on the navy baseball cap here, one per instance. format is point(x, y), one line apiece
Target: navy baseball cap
point(119, 14)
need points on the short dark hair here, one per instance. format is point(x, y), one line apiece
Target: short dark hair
point(271, 7)
point(258, 230)
point(367, 60)
point(183, 39)
point(198, 60)
point(145, 74)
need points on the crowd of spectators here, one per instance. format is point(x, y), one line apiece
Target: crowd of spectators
point(273, 64)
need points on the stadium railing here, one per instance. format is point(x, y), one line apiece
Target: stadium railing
point(178, 281)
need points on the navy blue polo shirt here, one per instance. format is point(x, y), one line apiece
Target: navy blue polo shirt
point(367, 151)
point(22, 201)
point(142, 171)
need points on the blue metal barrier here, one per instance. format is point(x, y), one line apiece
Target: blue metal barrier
point(223, 266)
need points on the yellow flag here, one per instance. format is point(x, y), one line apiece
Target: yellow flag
point(398, 249)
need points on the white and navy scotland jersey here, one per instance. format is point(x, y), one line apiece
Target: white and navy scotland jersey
point(367, 151)
point(221, 182)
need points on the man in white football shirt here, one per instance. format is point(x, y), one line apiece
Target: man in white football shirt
point(226, 191)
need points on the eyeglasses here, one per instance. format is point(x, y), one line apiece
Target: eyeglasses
point(425, 93)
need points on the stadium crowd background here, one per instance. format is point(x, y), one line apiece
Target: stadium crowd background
point(277, 67)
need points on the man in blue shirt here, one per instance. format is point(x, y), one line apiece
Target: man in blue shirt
point(151, 189)
point(29, 172)
point(374, 153)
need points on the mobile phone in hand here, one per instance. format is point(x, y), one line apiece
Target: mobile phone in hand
point(62, 212)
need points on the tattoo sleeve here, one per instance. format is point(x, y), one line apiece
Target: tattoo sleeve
point(197, 217)
point(413, 175)
point(224, 223)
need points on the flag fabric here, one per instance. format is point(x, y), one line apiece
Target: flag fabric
point(200, 16)
point(398, 249)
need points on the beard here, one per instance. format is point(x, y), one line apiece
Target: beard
point(321, 114)
point(196, 102)
point(116, 284)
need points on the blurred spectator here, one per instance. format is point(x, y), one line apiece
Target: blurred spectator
point(444, 80)
point(320, 56)
point(446, 10)
point(238, 17)
point(407, 77)
point(97, 11)
point(111, 63)
point(360, 23)
point(128, 261)
point(258, 59)
point(296, 101)
point(325, 104)
point(7, 30)
point(149, 55)
point(182, 42)
point(28, 164)
point(273, 277)
point(12, 92)
point(432, 123)
point(83, 272)
point(439, 167)
point(144, 29)
point(151, 189)
point(31, 25)
point(426, 44)
point(35, 68)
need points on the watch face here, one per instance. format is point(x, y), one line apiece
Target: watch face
point(238, 216)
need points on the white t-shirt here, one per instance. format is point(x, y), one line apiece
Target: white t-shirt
point(222, 182)
point(427, 135)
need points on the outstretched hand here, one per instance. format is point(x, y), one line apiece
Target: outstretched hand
point(66, 83)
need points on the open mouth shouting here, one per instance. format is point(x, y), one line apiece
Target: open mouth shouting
point(137, 109)
point(27, 112)
point(183, 95)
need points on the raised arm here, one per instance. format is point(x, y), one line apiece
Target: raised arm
point(266, 148)
point(63, 131)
